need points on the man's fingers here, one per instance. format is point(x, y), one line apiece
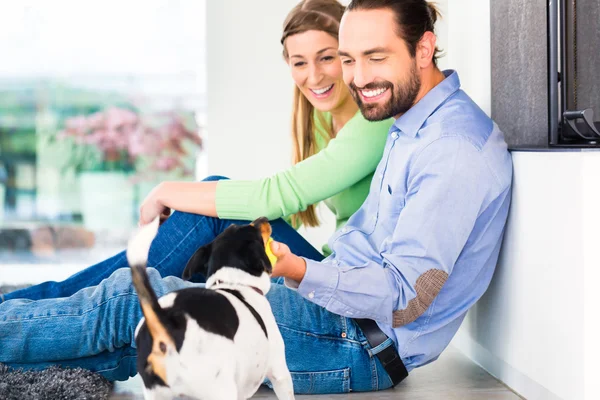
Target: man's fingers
point(279, 249)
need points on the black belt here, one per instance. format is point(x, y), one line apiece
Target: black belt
point(391, 361)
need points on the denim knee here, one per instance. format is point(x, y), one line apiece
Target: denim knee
point(213, 178)
point(121, 280)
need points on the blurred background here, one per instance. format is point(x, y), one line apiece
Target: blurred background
point(99, 102)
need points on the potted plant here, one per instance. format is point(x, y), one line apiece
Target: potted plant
point(116, 149)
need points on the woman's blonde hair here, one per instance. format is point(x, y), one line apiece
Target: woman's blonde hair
point(317, 15)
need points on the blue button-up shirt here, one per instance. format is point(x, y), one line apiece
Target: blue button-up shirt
point(423, 247)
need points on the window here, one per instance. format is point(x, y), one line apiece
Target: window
point(99, 102)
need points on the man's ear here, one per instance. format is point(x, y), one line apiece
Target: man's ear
point(426, 49)
point(198, 262)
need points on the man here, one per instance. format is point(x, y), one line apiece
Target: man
point(423, 247)
point(414, 258)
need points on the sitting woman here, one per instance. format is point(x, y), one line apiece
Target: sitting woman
point(89, 319)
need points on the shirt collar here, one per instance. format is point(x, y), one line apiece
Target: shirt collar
point(411, 121)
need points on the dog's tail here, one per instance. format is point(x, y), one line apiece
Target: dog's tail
point(156, 320)
point(137, 256)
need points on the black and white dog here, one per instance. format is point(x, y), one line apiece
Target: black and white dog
point(214, 343)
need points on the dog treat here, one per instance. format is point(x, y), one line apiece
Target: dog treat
point(270, 254)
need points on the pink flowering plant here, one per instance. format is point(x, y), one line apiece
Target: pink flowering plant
point(119, 139)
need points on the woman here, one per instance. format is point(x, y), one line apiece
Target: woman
point(335, 151)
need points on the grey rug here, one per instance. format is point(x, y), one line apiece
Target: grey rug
point(54, 383)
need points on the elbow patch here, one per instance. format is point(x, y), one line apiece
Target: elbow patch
point(427, 287)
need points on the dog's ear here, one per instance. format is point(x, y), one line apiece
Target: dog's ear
point(198, 262)
point(264, 227)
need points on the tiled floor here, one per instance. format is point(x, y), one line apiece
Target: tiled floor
point(452, 377)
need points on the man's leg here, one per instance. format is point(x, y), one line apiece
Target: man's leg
point(117, 365)
point(325, 352)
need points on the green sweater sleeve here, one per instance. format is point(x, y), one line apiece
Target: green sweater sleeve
point(352, 155)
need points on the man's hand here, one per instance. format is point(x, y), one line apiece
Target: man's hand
point(152, 207)
point(288, 265)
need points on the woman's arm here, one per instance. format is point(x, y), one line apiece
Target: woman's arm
point(348, 158)
point(352, 155)
point(192, 197)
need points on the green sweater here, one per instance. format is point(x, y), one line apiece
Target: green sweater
point(339, 173)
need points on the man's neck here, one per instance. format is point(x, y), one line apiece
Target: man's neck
point(429, 79)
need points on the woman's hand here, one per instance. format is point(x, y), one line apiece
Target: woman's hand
point(152, 206)
point(288, 264)
point(191, 197)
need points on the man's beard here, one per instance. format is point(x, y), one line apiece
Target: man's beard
point(402, 98)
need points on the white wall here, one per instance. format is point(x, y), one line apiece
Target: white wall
point(249, 88)
point(536, 328)
point(469, 46)
point(591, 295)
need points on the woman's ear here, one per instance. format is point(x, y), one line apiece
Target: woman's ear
point(198, 262)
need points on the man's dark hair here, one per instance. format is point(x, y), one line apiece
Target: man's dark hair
point(413, 19)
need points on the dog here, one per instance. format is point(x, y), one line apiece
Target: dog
point(217, 342)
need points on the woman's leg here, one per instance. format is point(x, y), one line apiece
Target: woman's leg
point(177, 240)
point(94, 323)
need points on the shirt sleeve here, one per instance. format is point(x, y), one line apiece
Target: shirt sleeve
point(446, 188)
point(347, 159)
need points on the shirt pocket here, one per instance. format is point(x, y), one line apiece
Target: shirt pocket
point(392, 199)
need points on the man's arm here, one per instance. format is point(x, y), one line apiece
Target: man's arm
point(446, 191)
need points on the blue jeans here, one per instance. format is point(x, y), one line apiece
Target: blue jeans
point(89, 319)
